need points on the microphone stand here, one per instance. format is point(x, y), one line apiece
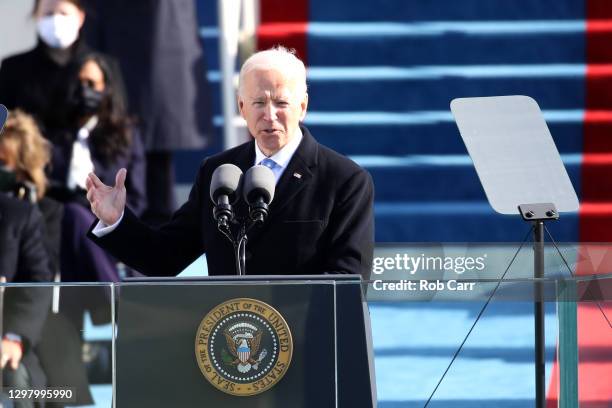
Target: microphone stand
point(241, 251)
point(239, 243)
point(223, 225)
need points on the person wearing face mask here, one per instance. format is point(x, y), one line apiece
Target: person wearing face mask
point(98, 136)
point(33, 81)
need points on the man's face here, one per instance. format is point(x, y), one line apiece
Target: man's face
point(273, 106)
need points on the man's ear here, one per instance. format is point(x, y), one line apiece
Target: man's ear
point(81, 18)
point(304, 106)
point(240, 103)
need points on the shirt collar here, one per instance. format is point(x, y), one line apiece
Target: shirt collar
point(284, 155)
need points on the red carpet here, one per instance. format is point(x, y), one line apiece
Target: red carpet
point(594, 333)
point(284, 23)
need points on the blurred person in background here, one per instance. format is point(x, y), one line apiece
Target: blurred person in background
point(27, 252)
point(24, 155)
point(33, 81)
point(162, 59)
point(98, 136)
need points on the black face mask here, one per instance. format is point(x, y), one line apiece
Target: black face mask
point(87, 100)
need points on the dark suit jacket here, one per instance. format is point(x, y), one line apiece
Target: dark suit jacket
point(23, 259)
point(321, 222)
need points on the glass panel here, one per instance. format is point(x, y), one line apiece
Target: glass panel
point(164, 330)
point(65, 334)
point(227, 344)
point(421, 321)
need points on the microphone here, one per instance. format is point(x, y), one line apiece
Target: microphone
point(224, 189)
point(258, 191)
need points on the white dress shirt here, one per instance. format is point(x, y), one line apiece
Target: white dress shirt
point(80, 161)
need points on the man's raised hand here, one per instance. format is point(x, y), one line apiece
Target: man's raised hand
point(107, 203)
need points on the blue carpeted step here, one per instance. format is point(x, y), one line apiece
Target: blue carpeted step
point(411, 179)
point(436, 137)
point(412, 44)
point(394, 89)
point(439, 10)
point(435, 178)
point(210, 42)
point(207, 13)
point(400, 138)
point(459, 222)
point(209, 31)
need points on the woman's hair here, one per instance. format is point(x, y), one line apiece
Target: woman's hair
point(32, 151)
point(112, 136)
point(77, 3)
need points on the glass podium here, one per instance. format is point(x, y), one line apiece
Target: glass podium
point(433, 338)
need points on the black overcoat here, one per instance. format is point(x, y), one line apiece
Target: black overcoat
point(35, 81)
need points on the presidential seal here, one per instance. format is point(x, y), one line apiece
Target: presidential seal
point(243, 347)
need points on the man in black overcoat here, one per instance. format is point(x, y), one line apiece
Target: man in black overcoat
point(321, 218)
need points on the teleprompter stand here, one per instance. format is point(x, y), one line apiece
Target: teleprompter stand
point(538, 214)
point(519, 167)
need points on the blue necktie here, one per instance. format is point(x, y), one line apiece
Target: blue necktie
point(272, 165)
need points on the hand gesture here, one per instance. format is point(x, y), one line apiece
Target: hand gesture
point(11, 353)
point(107, 203)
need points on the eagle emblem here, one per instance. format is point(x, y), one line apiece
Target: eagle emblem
point(243, 341)
point(243, 346)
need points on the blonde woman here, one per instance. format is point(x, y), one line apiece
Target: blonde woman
point(24, 155)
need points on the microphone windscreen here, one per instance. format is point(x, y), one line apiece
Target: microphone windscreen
point(259, 181)
point(225, 181)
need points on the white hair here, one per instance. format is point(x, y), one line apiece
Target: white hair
point(277, 58)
